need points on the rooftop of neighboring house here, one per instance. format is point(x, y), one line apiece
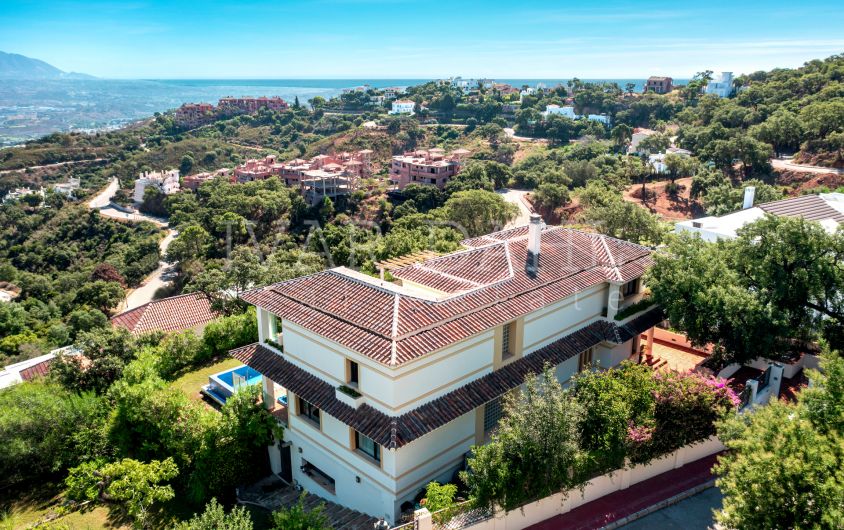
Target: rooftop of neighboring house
point(446, 299)
point(434, 157)
point(826, 208)
point(186, 311)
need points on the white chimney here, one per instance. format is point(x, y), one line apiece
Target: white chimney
point(534, 234)
point(749, 195)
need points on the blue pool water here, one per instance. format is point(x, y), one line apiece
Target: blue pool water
point(252, 377)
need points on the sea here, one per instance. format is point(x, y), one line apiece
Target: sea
point(31, 109)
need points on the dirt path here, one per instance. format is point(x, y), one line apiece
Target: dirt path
point(49, 166)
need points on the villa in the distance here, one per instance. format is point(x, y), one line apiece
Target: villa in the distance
point(389, 384)
point(659, 85)
point(402, 106)
point(167, 182)
point(721, 85)
point(426, 167)
point(569, 112)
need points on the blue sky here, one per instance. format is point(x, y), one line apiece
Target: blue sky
point(436, 38)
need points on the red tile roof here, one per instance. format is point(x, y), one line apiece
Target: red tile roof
point(176, 313)
point(36, 370)
point(466, 292)
point(396, 431)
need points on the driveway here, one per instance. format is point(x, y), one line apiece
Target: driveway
point(517, 197)
point(693, 513)
point(511, 133)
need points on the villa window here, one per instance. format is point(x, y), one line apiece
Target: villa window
point(492, 414)
point(309, 411)
point(507, 340)
point(630, 288)
point(352, 371)
point(367, 446)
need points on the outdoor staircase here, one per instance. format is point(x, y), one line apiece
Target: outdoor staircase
point(654, 362)
point(272, 493)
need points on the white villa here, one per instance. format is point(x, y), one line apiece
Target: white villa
point(402, 106)
point(385, 385)
point(167, 182)
point(721, 85)
point(568, 112)
point(825, 208)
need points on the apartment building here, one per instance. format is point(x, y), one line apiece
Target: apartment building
point(430, 166)
point(232, 105)
point(385, 386)
point(192, 182)
point(255, 169)
point(195, 114)
point(659, 85)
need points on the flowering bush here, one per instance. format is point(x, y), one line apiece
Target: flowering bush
point(686, 409)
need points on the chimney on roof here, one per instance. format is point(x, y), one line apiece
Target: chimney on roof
point(534, 241)
point(749, 195)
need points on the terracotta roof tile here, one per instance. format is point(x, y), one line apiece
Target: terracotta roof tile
point(462, 293)
point(168, 314)
point(396, 431)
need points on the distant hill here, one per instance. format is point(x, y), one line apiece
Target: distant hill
point(14, 66)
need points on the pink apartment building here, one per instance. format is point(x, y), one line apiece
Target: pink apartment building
point(194, 114)
point(426, 167)
point(192, 182)
point(249, 105)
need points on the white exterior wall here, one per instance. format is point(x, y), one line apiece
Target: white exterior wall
point(435, 456)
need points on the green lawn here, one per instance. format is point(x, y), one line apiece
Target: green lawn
point(191, 382)
point(34, 503)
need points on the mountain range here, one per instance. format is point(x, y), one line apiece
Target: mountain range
point(15, 66)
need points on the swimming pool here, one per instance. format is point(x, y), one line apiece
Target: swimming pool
point(222, 385)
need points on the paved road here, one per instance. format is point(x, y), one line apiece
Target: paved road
point(162, 275)
point(694, 513)
point(786, 163)
point(517, 198)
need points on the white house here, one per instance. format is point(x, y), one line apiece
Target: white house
point(402, 106)
point(826, 208)
point(721, 85)
point(68, 188)
point(385, 385)
point(166, 182)
point(567, 111)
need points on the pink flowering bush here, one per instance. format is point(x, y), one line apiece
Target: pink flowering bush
point(686, 407)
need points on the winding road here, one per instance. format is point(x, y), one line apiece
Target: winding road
point(163, 274)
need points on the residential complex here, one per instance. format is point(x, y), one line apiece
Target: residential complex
point(721, 85)
point(321, 176)
point(385, 386)
point(166, 182)
point(249, 105)
point(195, 114)
point(426, 167)
point(825, 208)
point(192, 182)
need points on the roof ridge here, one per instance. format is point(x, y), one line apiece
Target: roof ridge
point(394, 331)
